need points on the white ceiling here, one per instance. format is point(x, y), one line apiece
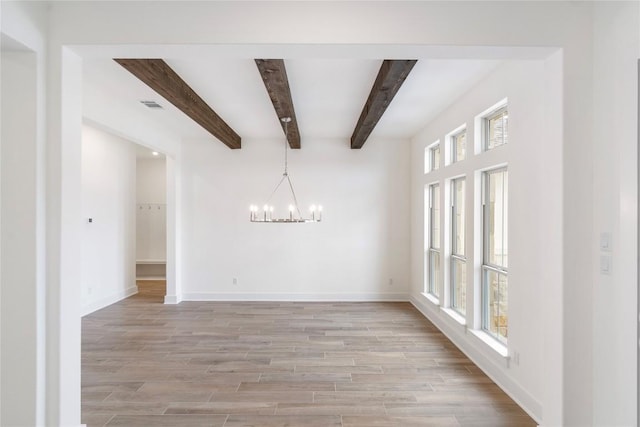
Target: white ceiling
point(328, 94)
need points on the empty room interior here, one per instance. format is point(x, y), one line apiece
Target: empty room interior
point(309, 213)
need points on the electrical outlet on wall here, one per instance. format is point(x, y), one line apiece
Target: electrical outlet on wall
point(234, 281)
point(390, 282)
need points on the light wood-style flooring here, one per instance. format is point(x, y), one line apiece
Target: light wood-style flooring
point(265, 364)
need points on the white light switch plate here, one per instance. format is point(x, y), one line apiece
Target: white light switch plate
point(605, 241)
point(605, 264)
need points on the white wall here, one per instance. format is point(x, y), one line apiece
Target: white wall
point(24, 312)
point(151, 214)
point(19, 349)
point(361, 243)
point(151, 180)
point(616, 52)
point(532, 156)
point(108, 198)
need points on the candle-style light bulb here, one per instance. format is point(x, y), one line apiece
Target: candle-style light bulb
point(320, 211)
point(313, 212)
point(291, 208)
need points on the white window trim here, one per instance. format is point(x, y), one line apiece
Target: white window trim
point(449, 143)
point(428, 157)
point(455, 316)
point(485, 128)
point(491, 342)
point(484, 265)
point(431, 298)
point(452, 285)
point(452, 228)
point(430, 249)
point(479, 126)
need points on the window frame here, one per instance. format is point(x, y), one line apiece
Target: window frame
point(429, 157)
point(500, 110)
point(433, 252)
point(453, 139)
point(486, 266)
point(432, 157)
point(455, 255)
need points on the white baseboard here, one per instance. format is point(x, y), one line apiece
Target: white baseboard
point(484, 358)
point(108, 300)
point(172, 299)
point(250, 296)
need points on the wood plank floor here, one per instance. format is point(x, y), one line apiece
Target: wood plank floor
point(269, 364)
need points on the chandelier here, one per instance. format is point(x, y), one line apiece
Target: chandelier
point(295, 216)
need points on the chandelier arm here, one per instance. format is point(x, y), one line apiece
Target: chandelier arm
point(277, 186)
point(295, 200)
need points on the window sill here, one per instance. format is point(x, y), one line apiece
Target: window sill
point(499, 348)
point(455, 316)
point(432, 298)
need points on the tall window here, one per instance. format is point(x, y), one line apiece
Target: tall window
point(434, 273)
point(495, 253)
point(458, 257)
point(496, 128)
point(458, 146)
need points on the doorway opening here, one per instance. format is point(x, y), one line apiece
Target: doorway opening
point(151, 224)
point(124, 204)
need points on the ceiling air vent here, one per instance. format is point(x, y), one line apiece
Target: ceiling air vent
point(151, 104)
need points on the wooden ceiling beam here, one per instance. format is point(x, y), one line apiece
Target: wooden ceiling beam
point(389, 80)
point(156, 74)
point(274, 76)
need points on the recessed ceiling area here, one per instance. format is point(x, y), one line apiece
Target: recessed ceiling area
point(328, 92)
point(143, 152)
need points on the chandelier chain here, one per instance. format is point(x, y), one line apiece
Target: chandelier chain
point(286, 148)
